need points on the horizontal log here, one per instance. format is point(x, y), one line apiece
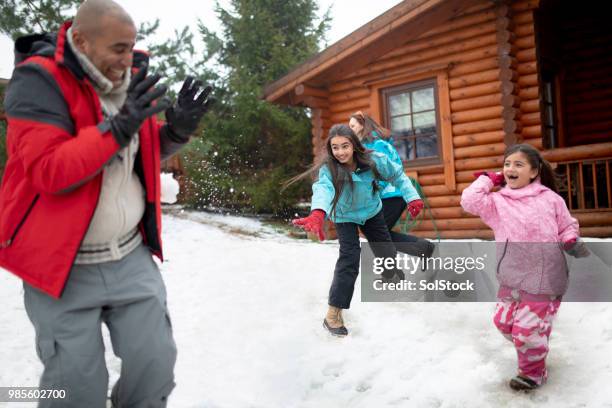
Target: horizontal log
point(532, 105)
point(468, 20)
point(449, 224)
point(535, 142)
point(526, 68)
point(431, 179)
point(432, 169)
point(353, 82)
point(459, 234)
point(526, 81)
point(530, 119)
point(442, 39)
point(477, 151)
point(474, 79)
point(476, 66)
point(594, 151)
point(477, 164)
point(350, 105)
point(478, 139)
point(349, 95)
point(484, 101)
point(523, 17)
point(449, 212)
point(306, 90)
point(531, 131)
point(442, 190)
point(532, 92)
point(523, 30)
point(524, 5)
point(427, 54)
point(445, 201)
point(314, 102)
point(476, 90)
point(526, 55)
point(594, 219)
point(476, 115)
point(596, 232)
point(525, 42)
point(468, 176)
point(478, 127)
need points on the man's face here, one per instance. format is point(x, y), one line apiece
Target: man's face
point(110, 49)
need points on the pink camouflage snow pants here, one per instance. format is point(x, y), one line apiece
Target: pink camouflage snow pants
point(526, 321)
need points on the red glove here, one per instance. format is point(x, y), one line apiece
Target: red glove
point(576, 248)
point(569, 244)
point(312, 223)
point(496, 178)
point(415, 207)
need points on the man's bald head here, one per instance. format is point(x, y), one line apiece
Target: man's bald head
point(93, 15)
point(105, 33)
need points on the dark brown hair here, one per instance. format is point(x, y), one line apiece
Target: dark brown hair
point(370, 126)
point(547, 175)
point(340, 174)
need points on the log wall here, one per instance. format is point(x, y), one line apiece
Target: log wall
point(489, 56)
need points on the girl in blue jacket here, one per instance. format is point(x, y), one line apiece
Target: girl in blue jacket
point(371, 134)
point(347, 193)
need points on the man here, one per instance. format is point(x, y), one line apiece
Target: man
point(80, 205)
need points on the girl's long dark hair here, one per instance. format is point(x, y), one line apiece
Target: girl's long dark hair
point(547, 175)
point(370, 126)
point(340, 174)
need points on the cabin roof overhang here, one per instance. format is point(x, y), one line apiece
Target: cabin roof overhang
point(402, 23)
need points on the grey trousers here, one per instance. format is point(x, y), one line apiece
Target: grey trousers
point(129, 296)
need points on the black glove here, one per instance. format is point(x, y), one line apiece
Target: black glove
point(183, 118)
point(137, 107)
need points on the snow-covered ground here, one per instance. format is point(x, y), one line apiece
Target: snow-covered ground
point(247, 306)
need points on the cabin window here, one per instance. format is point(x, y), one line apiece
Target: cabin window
point(411, 113)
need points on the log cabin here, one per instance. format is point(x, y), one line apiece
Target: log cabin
point(457, 81)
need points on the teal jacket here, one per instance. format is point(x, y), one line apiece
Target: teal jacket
point(360, 204)
point(387, 190)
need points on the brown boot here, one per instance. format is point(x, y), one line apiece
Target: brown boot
point(334, 323)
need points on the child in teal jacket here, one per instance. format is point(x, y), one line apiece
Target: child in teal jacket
point(347, 192)
point(372, 135)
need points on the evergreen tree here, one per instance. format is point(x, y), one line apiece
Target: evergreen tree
point(251, 146)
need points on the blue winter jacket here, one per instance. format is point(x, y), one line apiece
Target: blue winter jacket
point(360, 204)
point(387, 190)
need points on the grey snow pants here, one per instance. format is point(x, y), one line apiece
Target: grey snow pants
point(128, 296)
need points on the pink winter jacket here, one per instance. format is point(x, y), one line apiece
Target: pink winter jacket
point(529, 224)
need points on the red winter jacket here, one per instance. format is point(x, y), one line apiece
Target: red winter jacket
point(56, 154)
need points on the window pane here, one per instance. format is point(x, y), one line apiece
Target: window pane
point(401, 124)
point(427, 146)
point(423, 99)
point(404, 146)
point(424, 122)
point(399, 104)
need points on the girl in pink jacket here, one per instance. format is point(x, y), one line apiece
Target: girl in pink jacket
point(532, 227)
